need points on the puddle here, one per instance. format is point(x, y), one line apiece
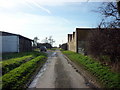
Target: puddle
point(54, 54)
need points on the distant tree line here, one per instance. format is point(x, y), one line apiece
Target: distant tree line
point(48, 42)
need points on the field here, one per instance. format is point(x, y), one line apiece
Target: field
point(18, 68)
point(103, 74)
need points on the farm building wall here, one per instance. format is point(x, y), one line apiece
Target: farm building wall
point(15, 43)
point(77, 40)
point(0, 45)
point(25, 44)
point(72, 42)
point(64, 46)
point(82, 35)
point(10, 44)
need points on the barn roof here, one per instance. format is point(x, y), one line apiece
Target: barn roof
point(3, 33)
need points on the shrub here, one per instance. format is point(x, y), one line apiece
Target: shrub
point(105, 43)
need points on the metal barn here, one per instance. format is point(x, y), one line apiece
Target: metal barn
point(15, 43)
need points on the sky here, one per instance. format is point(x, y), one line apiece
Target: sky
point(44, 18)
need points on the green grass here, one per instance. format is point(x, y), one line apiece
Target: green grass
point(37, 49)
point(62, 50)
point(6, 56)
point(104, 75)
point(53, 49)
point(10, 64)
point(18, 77)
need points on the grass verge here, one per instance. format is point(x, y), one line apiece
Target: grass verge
point(18, 77)
point(6, 56)
point(103, 74)
point(10, 64)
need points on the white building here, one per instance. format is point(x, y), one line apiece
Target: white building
point(14, 43)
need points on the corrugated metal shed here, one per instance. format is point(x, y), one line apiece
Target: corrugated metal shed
point(14, 43)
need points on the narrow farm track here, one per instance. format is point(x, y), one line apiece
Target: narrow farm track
point(58, 73)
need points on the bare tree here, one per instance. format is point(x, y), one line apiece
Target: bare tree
point(118, 6)
point(104, 43)
point(35, 41)
point(49, 40)
point(45, 40)
point(110, 13)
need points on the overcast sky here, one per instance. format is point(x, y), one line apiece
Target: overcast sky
point(44, 18)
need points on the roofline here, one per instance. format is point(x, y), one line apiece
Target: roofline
point(16, 35)
point(26, 37)
point(85, 28)
point(94, 28)
point(9, 33)
point(88, 29)
point(69, 34)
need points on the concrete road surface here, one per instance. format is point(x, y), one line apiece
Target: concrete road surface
point(58, 73)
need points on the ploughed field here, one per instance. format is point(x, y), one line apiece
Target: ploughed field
point(18, 68)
